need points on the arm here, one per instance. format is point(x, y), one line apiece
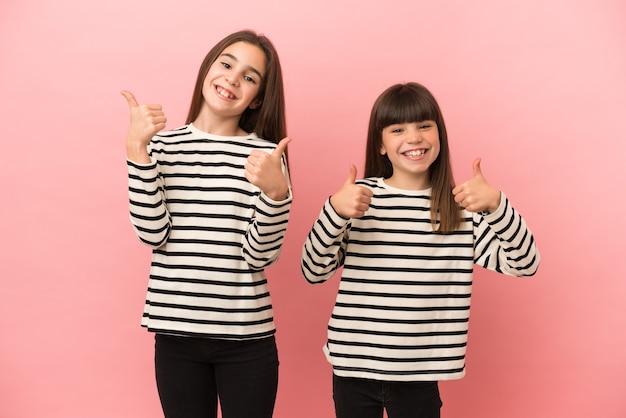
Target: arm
point(266, 233)
point(148, 212)
point(325, 247)
point(503, 242)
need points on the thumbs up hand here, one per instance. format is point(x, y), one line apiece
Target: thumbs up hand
point(145, 121)
point(351, 200)
point(265, 171)
point(476, 194)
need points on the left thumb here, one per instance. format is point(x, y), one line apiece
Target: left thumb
point(280, 148)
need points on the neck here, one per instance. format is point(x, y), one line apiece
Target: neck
point(414, 182)
point(216, 125)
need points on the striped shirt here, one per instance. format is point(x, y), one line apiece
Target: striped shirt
point(212, 234)
point(402, 309)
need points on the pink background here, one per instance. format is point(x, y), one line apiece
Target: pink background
point(536, 88)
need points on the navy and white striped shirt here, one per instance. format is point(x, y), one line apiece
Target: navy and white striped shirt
point(403, 304)
point(212, 234)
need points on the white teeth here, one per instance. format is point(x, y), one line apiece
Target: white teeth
point(224, 93)
point(415, 153)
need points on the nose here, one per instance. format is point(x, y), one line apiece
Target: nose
point(413, 135)
point(232, 79)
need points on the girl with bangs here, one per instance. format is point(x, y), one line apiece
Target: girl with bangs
point(407, 238)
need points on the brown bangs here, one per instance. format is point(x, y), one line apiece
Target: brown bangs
point(405, 104)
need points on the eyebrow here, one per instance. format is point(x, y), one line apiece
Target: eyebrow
point(234, 58)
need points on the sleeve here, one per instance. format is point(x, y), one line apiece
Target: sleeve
point(264, 238)
point(503, 243)
point(325, 247)
point(148, 212)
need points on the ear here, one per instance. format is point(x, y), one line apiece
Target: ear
point(383, 151)
point(256, 103)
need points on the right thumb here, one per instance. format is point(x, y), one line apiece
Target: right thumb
point(352, 176)
point(130, 98)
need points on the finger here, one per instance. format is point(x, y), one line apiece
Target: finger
point(366, 194)
point(254, 156)
point(156, 107)
point(476, 167)
point(363, 208)
point(157, 120)
point(282, 145)
point(132, 102)
point(352, 175)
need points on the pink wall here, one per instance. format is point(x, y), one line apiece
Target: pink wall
point(536, 89)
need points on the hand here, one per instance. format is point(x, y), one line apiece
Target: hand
point(351, 200)
point(475, 194)
point(265, 171)
point(145, 121)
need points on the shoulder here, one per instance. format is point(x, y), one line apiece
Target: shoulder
point(255, 138)
point(173, 135)
point(371, 182)
point(255, 141)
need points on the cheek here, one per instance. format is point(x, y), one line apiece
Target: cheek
point(383, 149)
point(255, 92)
point(436, 152)
point(206, 86)
point(436, 144)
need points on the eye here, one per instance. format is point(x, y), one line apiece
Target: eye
point(394, 129)
point(249, 79)
point(226, 65)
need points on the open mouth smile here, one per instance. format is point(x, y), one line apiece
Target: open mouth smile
point(414, 153)
point(224, 93)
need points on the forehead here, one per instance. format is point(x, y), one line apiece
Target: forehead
point(247, 55)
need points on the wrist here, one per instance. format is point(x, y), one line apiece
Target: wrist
point(332, 205)
point(279, 195)
point(137, 153)
point(496, 203)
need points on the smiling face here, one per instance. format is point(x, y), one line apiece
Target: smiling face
point(232, 84)
point(411, 148)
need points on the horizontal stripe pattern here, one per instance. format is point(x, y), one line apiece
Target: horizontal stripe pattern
point(212, 233)
point(403, 304)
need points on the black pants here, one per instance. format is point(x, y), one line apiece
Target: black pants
point(365, 398)
point(191, 374)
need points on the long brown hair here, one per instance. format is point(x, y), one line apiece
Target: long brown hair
point(267, 120)
point(407, 103)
